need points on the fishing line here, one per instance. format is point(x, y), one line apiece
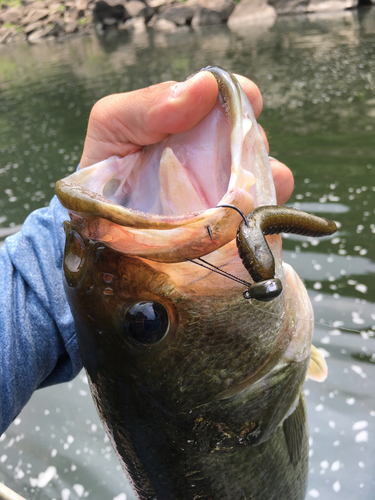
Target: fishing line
point(211, 267)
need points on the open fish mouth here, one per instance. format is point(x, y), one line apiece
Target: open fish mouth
point(160, 203)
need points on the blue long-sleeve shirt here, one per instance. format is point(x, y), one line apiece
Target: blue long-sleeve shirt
point(38, 345)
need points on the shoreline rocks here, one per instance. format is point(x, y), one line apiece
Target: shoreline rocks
point(37, 20)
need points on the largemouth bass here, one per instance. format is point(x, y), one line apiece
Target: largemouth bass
point(198, 388)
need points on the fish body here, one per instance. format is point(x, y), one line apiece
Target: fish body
point(199, 390)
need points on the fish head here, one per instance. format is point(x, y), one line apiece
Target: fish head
point(163, 339)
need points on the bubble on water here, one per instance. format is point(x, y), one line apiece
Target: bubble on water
point(350, 401)
point(324, 352)
point(79, 489)
point(313, 493)
point(357, 319)
point(121, 496)
point(360, 425)
point(335, 332)
point(44, 477)
point(358, 370)
point(324, 464)
point(335, 466)
point(361, 437)
point(332, 424)
point(65, 494)
point(336, 486)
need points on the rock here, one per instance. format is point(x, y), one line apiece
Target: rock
point(327, 5)
point(57, 16)
point(5, 35)
point(72, 14)
point(71, 27)
point(56, 7)
point(163, 25)
point(36, 36)
point(210, 12)
point(156, 4)
point(33, 27)
point(107, 14)
point(35, 15)
point(289, 6)
point(11, 16)
point(252, 12)
point(82, 4)
point(135, 8)
point(136, 23)
point(54, 29)
point(178, 14)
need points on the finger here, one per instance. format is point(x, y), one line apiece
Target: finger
point(253, 94)
point(283, 179)
point(122, 123)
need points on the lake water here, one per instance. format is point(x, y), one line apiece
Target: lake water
point(317, 76)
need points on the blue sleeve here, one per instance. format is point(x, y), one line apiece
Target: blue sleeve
point(38, 345)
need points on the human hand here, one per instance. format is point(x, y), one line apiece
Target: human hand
point(122, 124)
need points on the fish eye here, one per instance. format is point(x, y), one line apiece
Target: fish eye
point(146, 322)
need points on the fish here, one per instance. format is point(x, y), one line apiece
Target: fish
point(196, 361)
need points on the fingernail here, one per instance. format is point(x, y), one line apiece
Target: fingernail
point(272, 158)
point(179, 88)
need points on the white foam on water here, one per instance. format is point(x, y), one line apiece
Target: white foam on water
point(336, 486)
point(121, 496)
point(44, 477)
point(314, 493)
point(358, 370)
point(65, 494)
point(336, 466)
point(361, 437)
point(79, 489)
point(360, 425)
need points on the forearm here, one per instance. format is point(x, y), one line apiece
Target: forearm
point(37, 338)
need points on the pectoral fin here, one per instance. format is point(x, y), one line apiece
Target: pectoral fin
point(295, 432)
point(318, 367)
